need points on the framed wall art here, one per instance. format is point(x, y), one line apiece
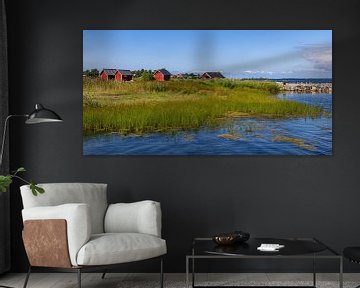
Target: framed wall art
point(207, 92)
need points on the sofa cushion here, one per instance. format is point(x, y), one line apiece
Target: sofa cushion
point(92, 194)
point(137, 217)
point(113, 248)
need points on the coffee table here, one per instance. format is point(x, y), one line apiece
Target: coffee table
point(295, 248)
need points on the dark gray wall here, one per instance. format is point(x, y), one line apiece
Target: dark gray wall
point(276, 196)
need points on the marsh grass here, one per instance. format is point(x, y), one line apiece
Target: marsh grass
point(296, 141)
point(142, 107)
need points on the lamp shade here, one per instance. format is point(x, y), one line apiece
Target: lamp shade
point(42, 115)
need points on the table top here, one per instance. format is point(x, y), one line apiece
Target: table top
point(293, 247)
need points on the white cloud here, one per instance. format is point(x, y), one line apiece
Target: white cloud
point(258, 72)
point(319, 55)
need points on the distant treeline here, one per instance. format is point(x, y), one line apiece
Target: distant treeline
point(143, 74)
point(91, 73)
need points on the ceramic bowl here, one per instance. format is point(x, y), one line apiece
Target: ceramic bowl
point(225, 239)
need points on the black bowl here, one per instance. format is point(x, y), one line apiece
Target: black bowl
point(241, 236)
point(224, 239)
point(231, 238)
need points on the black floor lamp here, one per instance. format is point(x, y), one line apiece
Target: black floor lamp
point(39, 115)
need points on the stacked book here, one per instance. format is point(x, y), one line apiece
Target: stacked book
point(270, 247)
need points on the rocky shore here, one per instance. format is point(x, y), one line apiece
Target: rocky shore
point(306, 87)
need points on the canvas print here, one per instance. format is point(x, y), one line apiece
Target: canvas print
point(207, 92)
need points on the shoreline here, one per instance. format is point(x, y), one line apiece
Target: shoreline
point(306, 87)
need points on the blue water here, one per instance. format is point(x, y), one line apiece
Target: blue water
point(295, 80)
point(303, 80)
point(254, 136)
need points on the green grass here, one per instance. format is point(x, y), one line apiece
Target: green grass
point(142, 107)
point(296, 141)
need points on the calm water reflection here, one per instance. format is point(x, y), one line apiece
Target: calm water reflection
point(254, 136)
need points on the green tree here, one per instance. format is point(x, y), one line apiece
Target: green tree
point(92, 73)
point(147, 76)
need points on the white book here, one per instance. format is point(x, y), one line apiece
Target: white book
point(270, 247)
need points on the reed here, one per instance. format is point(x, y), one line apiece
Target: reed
point(142, 107)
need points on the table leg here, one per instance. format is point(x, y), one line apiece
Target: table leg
point(193, 267)
point(193, 272)
point(314, 271)
point(341, 273)
point(187, 272)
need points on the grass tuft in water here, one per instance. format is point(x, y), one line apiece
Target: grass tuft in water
point(296, 141)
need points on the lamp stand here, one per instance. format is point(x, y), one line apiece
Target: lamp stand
point(4, 135)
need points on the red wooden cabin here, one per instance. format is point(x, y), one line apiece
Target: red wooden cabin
point(162, 75)
point(116, 74)
point(212, 75)
point(109, 74)
point(125, 75)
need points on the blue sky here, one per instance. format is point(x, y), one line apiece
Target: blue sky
point(236, 53)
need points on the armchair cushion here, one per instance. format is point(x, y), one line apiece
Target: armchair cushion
point(113, 248)
point(93, 194)
point(78, 221)
point(138, 217)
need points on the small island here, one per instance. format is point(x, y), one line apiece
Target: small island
point(145, 106)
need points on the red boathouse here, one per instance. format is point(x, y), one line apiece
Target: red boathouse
point(162, 75)
point(116, 74)
point(212, 75)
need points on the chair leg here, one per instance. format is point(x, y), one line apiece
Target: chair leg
point(161, 273)
point(103, 275)
point(79, 277)
point(27, 277)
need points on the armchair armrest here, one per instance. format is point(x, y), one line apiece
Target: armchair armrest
point(77, 217)
point(138, 217)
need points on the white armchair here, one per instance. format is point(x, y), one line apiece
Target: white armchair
point(72, 228)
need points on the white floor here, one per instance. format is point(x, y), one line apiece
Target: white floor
point(117, 280)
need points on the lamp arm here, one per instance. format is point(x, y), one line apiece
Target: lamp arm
point(4, 133)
